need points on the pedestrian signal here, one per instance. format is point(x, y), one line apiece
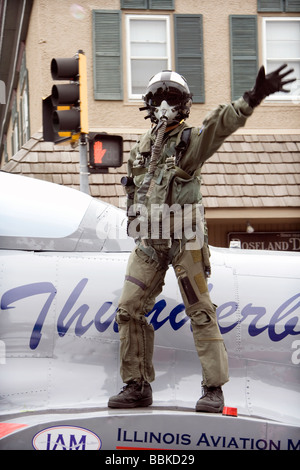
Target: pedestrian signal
point(105, 151)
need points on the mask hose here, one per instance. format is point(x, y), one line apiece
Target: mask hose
point(145, 190)
point(160, 129)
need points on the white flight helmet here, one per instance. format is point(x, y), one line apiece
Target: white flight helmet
point(168, 95)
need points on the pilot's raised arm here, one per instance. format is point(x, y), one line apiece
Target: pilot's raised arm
point(227, 118)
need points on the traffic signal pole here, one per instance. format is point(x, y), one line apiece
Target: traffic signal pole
point(84, 126)
point(83, 165)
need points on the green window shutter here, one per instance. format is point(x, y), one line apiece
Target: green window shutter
point(161, 5)
point(243, 45)
point(145, 4)
point(189, 53)
point(107, 55)
point(270, 5)
point(134, 4)
point(292, 6)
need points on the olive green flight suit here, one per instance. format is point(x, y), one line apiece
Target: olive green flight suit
point(150, 259)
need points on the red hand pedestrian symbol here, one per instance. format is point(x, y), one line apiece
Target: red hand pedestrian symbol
point(99, 152)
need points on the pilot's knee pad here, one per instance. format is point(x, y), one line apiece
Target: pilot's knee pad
point(191, 277)
point(122, 316)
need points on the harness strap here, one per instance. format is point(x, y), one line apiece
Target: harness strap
point(178, 172)
point(180, 151)
point(183, 144)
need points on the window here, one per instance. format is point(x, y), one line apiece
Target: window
point(24, 102)
point(5, 152)
point(2, 92)
point(281, 44)
point(15, 135)
point(15, 127)
point(24, 106)
point(148, 50)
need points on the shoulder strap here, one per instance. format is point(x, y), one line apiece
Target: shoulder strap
point(181, 148)
point(144, 143)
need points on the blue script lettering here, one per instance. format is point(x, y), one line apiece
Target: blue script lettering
point(29, 290)
point(287, 308)
point(158, 308)
point(224, 311)
point(281, 319)
point(282, 313)
point(80, 313)
point(102, 326)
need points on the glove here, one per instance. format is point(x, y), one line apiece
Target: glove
point(265, 85)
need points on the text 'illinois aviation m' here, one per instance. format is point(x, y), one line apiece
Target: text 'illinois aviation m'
point(63, 260)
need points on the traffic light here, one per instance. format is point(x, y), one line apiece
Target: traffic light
point(105, 151)
point(65, 111)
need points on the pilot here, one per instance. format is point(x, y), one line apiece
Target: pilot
point(164, 171)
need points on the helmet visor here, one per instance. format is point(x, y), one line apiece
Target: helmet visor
point(171, 95)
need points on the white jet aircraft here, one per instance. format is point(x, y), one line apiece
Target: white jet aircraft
point(62, 266)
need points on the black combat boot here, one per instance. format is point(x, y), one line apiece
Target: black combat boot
point(133, 395)
point(212, 400)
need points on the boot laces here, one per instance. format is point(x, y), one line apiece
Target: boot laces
point(136, 386)
point(210, 392)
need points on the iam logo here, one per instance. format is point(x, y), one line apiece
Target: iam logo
point(66, 438)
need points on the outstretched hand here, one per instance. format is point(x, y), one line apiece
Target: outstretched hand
point(265, 85)
point(268, 84)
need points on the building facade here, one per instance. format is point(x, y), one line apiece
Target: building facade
point(253, 179)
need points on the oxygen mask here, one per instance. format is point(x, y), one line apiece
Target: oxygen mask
point(166, 112)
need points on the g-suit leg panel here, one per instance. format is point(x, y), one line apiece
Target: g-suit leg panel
point(144, 281)
point(188, 266)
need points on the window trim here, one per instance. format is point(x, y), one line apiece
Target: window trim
point(278, 98)
point(129, 17)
